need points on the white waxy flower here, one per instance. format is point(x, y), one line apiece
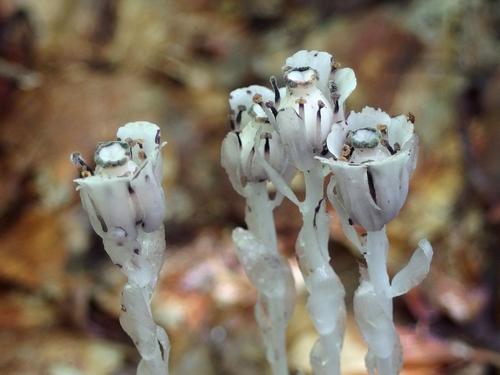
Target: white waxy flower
point(372, 176)
point(240, 148)
point(334, 82)
point(125, 190)
point(145, 141)
point(126, 206)
point(316, 91)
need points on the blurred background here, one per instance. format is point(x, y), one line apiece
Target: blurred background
point(72, 71)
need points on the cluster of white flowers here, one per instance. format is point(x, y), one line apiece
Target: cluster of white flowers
point(302, 127)
point(125, 203)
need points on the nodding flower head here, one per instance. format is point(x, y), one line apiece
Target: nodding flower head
point(335, 83)
point(372, 174)
point(241, 149)
point(313, 104)
point(124, 192)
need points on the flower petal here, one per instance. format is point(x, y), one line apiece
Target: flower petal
point(400, 130)
point(368, 118)
point(248, 149)
point(318, 60)
point(280, 182)
point(336, 139)
point(144, 131)
point(109, 201)
point(242, 99)
point(345, 80)
point(352, 188)
point(294, 138)
point(278, 157)
point(148, 193)
point(337, 204)
point(230, 161)
point(390, 179)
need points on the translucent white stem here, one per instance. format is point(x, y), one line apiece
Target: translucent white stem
point(259, 214)
point(376, 258)
point(142, 269)
point(272, 275)
point(375, 295)
point(326, 293)
point(269, 316)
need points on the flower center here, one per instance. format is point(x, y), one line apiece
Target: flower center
point(365, 138)
point(366, 145)
point(113, 159)
point(112, 154)
point(301, 77)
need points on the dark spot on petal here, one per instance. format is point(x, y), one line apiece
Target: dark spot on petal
point(161, 351)
point(104, 227)
point(239, 139)
point(238, 117)
point(103, 223)
point(267, 148)
point(277, 95)
point(324, 151)
point(371, 186)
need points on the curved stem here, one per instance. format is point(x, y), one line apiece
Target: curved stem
point(142, 269)
point(326, 293)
